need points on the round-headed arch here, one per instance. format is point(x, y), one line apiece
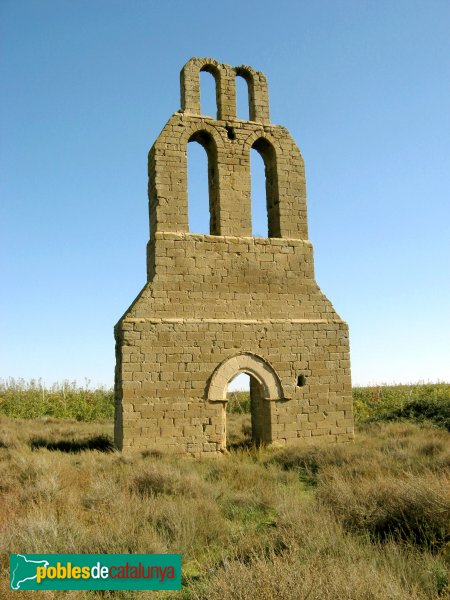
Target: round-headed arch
point(190, 83)
point(249, 363)
point(266, 147)
point(224, 76)
point(200, 132)
point(208, 139)
point(261, 134)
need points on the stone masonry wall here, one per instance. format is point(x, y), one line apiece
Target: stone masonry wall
point(216, 305)
point(230, 157)
point(167, 364)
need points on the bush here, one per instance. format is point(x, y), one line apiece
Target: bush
point(238, 402)
point(415, 508)
point(161, 478)
point(380, 401)
point(67, 400)
point(310, 460)
point(420, 411)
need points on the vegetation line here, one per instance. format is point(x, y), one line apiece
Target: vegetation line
point(417, 402)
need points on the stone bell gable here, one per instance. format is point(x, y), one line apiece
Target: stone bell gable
point(226, 303)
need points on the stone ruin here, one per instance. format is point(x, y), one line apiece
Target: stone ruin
point(227, 303)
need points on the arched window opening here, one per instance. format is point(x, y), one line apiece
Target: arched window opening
point(202, 184)
point(271, 224)
point(208, 92)
point(245, 100)
point(198, 195)
point(260, 226)
point(248, 419)
point(242, 98)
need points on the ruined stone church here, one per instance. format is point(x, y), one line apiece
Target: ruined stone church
point(227, 303)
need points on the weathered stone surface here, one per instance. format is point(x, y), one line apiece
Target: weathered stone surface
point(220, 304)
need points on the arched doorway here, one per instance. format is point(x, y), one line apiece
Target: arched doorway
point(247, 414)
point(264, 388)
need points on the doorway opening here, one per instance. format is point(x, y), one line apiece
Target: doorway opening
point(248, 413)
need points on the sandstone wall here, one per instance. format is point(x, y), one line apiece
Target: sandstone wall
point(220, 304)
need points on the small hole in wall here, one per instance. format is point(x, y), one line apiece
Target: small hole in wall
point(231, 133)
point(301, 381)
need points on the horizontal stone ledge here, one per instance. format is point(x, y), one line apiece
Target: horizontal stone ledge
point(157, 320)
point(191, 114)
point(283, 399)
point(263, 241)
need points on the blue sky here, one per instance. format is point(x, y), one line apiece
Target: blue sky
point(364, 89)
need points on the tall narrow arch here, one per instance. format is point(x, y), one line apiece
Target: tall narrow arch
point(205, 139)
point(268, 154)
point(247, 75)
point(197, 189)
point(205, 99)
point(243, 98)
point(259, 220)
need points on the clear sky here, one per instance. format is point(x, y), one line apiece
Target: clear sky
point(364, 88)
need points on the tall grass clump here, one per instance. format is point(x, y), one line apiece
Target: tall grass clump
point(67, 400)
point(413, 508)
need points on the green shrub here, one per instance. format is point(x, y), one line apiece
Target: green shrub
point(416, 402)
point(420, 411)
point(238, 402)
point(67, 400)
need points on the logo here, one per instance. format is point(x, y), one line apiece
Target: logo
point(95, 571)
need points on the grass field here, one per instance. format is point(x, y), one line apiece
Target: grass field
point(368, 520)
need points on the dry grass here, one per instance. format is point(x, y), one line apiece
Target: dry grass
point(361, 521)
